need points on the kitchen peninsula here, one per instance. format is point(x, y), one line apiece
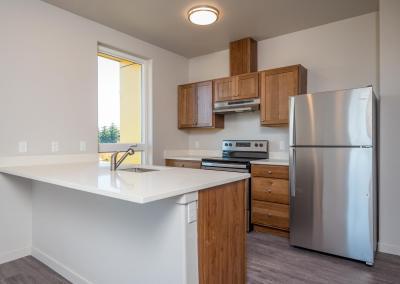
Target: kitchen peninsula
point(169, 225)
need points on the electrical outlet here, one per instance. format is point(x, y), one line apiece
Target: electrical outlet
point(82, 146)
point(22, 146)
point(54, 146)
point(282, 145)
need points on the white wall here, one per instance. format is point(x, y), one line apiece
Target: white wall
point(48, 91)
point(48, 80)
point(389, 24)
point(338, 55)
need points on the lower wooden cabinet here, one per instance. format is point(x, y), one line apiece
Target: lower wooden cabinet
point(280, 172)
point(270, 214)
point(183, 163)
point(271, 190)
point(270, 209)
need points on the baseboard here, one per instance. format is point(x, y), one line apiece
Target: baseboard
point(389, 248)
point(60, 268)
point(14, 254)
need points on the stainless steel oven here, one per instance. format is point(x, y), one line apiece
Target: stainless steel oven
point(236, 157)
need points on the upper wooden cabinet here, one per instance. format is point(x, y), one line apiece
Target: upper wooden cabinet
point(195, 106)
point(247, 86)
point(187, 106)
point(224, 89)
point(276, 86)
point(239, 87)
point(243, 56)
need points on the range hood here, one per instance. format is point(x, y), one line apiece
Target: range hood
point(237, 106)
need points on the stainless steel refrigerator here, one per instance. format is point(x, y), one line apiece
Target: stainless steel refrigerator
point(333, 173)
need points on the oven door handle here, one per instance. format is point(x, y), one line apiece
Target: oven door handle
point(222, 165)
point(226, 169)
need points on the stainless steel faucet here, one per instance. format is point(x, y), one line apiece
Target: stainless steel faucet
point(115, 163)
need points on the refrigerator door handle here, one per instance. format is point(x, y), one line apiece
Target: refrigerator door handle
point(292, 134)
point(292, 171)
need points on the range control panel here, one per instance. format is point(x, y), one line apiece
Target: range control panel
point(245, 145)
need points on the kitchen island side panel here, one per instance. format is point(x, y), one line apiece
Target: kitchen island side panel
point(222, 234)
point(94, 239)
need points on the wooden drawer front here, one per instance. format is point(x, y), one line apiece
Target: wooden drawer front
point(270, 171)
point(270, 214)
point(269, 189)
point(183, 164)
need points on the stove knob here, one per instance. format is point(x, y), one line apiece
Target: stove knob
point(256, 144)
point(261, 145)
point(230, 144)
point(226, 144)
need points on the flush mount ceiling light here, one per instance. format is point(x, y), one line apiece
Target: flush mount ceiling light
point(203, 15)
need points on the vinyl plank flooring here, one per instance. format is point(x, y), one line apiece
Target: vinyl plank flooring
point(272, 260)
point(28, 270)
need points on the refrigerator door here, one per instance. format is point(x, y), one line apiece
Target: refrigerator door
point(341, 118)
point(332, 201)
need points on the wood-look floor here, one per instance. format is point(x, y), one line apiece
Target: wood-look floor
point(28, 270)
point(270, 260)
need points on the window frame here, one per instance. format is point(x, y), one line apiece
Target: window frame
point(146, 110)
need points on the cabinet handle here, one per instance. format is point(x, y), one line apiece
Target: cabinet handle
point(269, 214)
point(269, 172)
point(269, 190)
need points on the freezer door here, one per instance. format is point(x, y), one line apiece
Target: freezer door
point(340, 118)
point(332, 201)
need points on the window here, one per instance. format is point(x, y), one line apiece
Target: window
point(121, 111)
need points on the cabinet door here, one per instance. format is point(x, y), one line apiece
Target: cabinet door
point(183, 164)
point(204, 104)
point(187, 106)
point(275, 88)
point(225, 89)
point(247, 86)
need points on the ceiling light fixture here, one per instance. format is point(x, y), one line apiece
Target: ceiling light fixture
point(203, 15)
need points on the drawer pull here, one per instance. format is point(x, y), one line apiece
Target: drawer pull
point(269, 190)
point(269, 214)
point(269, 172)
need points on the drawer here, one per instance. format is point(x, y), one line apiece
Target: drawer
point(270, 171)
point(269, 189)
point(270, 214)
point(183, 163)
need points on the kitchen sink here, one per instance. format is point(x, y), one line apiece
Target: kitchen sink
point(138, 170)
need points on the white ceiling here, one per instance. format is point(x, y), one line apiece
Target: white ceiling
point(164, 22)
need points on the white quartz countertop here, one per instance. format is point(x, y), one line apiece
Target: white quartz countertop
point(273, 162)
point(276, 158)
point(96, 178)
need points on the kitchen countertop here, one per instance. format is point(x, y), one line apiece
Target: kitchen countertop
point(274, 162)
point(276, 158)
point(96, 178)
point(190, 155)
